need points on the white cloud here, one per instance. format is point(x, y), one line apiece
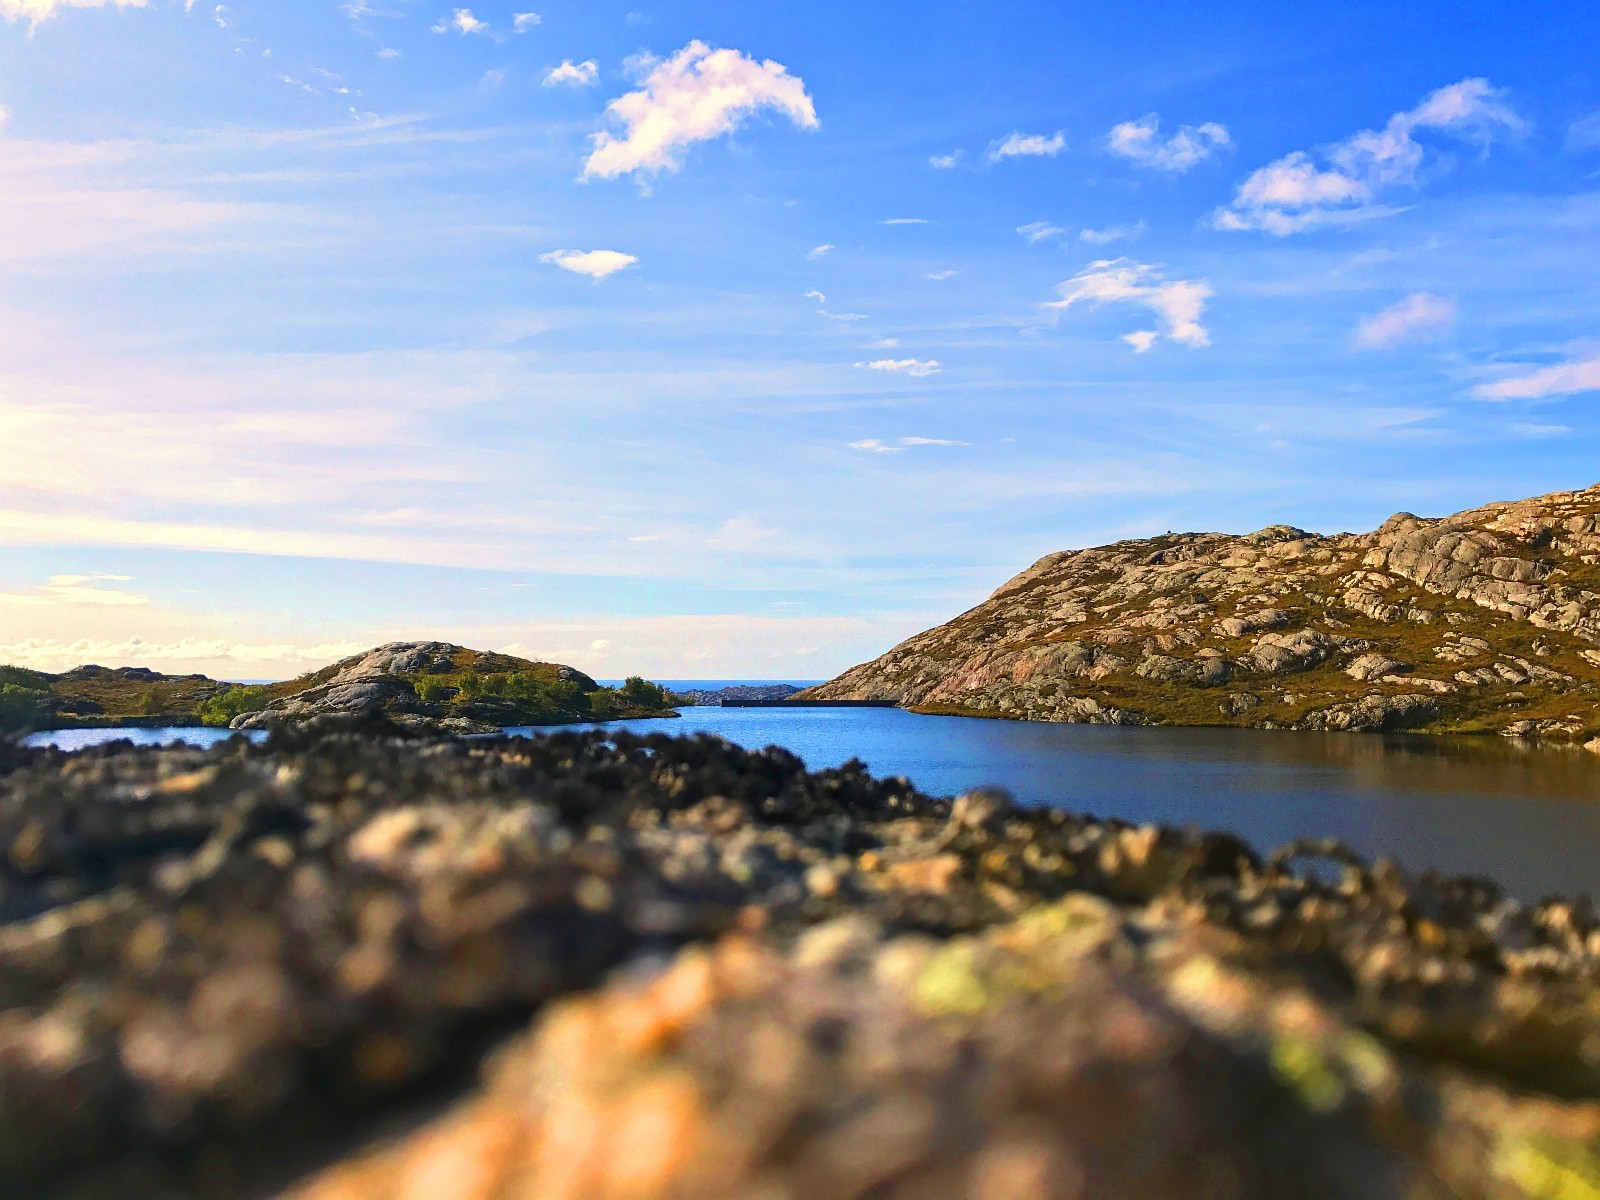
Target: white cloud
point(1541, 431)
point(1039, 231)
point(939, 275)
point(388, 52)
point(522, 22)
point(1140, 142)
point(1178, 303)
point(1346, 180)
point(884, 343)
point(76, 590)
point(904, 221)
point(463, 22)
point(903, 366)
point(1112, 233)
point(879, 446)
point(572, 74)
point(832, 316)
point(1028, 145)
point(817, 296)
point(817, 252)
point(1420, 317)
point(34, 11)
point(1563, 379)
point(697, 94)
point(945, 162)
point(596, 264)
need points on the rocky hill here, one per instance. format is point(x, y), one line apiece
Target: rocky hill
point(1486, 621)
point(454, 688)
point(94, 695)
point(464, 691)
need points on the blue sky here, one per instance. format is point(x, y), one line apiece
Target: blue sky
point(736, 339)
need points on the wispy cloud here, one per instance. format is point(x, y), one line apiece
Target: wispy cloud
point(939, 276)
point(1562, 379)
point(1346, 181)
point(34, 11)
point(904, 221)
point(524, 21)
point(79, 590)
point(900, 445)
point(1039, 231)
point(571, 74)
point(945, 162)
point(596, 264)
point(697, 94)
point(817, 296)
point(1179, 304)
point(1028, 145)
point(1113, 233)
point(903, 366)
point(1420, 317)
point(817, 252)
point(1140, 142)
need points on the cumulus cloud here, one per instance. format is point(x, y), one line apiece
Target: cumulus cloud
point(697, 94)
point(1141, 143)
point(1112, 233)
point(571, 74)
point(1420, 317)
point(1039, 231)
point(903, 366)
point(1028, 145)
point(34, 11)
point(1562, 379)
point(945, 162)
point(1178, 304)
point(463, 22)
point(1346, 181)
point(596, 264)
point(818, 251)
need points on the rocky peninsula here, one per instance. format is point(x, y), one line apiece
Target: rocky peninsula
point(362, 962)
point(435, 684)
point(1487, 621)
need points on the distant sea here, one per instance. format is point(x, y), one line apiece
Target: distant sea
point(712, 685)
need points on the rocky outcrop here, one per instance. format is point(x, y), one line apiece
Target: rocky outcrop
point(691, 972)
point(426, 685)
point(1486, 621)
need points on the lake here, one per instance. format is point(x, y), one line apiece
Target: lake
point(1528, 817)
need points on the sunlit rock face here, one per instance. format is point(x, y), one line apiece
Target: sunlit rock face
point(1488, 620)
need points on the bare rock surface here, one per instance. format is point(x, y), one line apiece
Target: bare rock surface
point(691, 970)
point(1485, 621)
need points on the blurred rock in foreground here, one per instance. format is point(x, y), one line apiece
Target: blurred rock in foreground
point(687, 970)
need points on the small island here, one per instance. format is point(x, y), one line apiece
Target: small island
point(426, 684)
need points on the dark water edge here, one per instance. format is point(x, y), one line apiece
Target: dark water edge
point(1526, 816)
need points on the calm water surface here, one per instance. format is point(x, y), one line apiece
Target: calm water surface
point(1530, 818)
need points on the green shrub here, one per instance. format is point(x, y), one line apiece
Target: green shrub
point(24, 707)
point(219, 711)
point(641, 693)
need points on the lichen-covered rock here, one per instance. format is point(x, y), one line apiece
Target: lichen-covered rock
point(1493, 613)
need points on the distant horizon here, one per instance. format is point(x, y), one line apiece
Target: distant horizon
point(729, 339)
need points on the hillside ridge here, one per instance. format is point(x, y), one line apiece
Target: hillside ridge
point(1485, 621)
